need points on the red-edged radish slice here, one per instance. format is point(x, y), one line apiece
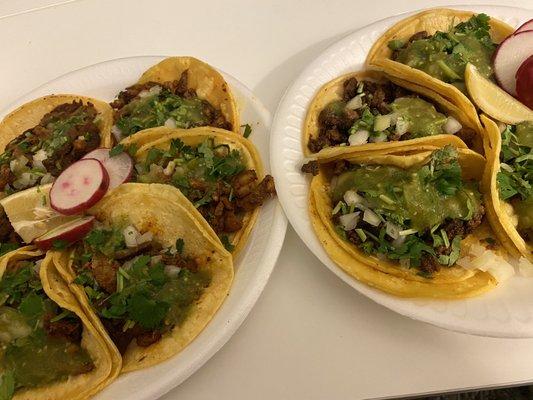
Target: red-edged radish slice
point(526, 26)
point(70, 233)
point(524, 82)
point(119, 167)
point(509, 55)
point(79, 187)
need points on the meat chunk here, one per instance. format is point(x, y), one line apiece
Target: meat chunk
point(256, 198)
point(349, 89)
point(105, 272)
point(6, 176)
point(68, 328)
point(429, 264)
point(418, 36)
point(148, 338)
point(128, 94)
point(310, 167)
point(243, 183)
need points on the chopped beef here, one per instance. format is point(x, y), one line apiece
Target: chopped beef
point(256, 198)
point(7, 233)
point(339, 166)
point(467, 135)
point(68, 328)
point(6, 176)
point(104, 271)
point(122, 338)
point(429, 264)
point(350, 89)
point(310, 167)
point(177, 87)
point(418, 36)
point(353, 237)
point(129, 252)
point(475, 221)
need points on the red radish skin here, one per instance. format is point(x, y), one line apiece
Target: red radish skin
point(79, 187)
point(508, 57)
point(527, 26)
point(119, 167)
point(524, 82)
point(70, 233)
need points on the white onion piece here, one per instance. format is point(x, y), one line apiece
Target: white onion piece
point(371, 217)
point(382, 122)
point(47, 178)
point(355, 103)
point(452, 126)
point(351, 197)
point(172, 271)
point(402, 126)
point(382, 137)
point(145, 237)
point(476, 250)
point(393, 230)
point(169, 169)
point(501, 270)
point(131, 236)
point(150, 92)
point(117, 133)
point(349, 221)
point(170, 123)
point(358, 138)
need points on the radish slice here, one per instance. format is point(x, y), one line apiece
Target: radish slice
point(509, 55)
point(79, 187)
point(524, 82)
point(119, 167)
point(527, 26)
point(70, 232)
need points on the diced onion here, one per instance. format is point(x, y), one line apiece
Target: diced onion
point(131, 236)
point(452, 126)
point(169, 169)
point(349, 221)
point(382, 122)
point(382, 137)
point(38, 159)
point(525, 267)
point(501, 270)
point(476, 250)
point(392, 230)
point(150, 92)
point(371, 217)
point(26, 180)
point(18, 164)
point(172, 271)
point(358, 138)
point(170, 123)
point(355, 103)
point(47, 178)
point(352, 198)
point(402, 126)
point(117, 133)
point(145, 237)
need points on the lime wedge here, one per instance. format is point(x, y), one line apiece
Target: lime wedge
point(30, 213)
point(493, 100)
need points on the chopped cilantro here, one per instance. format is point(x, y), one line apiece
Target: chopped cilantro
point(247, 130)
point(60, 244)
point(179, 245)
point(115, 151)
point(7, 385)
point(227, 244)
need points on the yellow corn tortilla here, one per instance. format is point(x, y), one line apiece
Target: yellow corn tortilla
point(30, 114)
point(203, 78)
point(106, 364)
point(500, 212)
point(164, 211)
point(438, 19)
point(449, 283)
point(332, 90)
point(161, 139)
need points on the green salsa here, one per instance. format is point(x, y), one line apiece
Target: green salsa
point(404, 213)
point(163, 108)
point(516, 172)
point(444, 55)
point(30, 355)
point(422, 117)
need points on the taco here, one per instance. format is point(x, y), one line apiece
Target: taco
point(219, 172)
point(408, 224)
point(43, 137)
point(432, 49)
point(369, 112)
point(178, 92)
point(149, 277)
point(50, 350)
point(508, 184)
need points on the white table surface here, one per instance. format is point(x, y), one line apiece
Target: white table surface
point(310, 336)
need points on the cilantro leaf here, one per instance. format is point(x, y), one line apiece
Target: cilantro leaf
point(148, 313)
point(7, 385)
point(247, 130)
point(32, 305)
point(179, 245)
point(115, 151)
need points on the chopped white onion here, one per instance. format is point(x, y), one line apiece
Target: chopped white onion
point(150, 92)
point(38, 159)
point(351, 197)
point(172, 271)
point(525, 267)
point(145, 237)
point(169, 169)
point(117, 133)
point(371, 217)
point(382, 137)
point(402, 126)
point(452, 126)
point(382, 122)
point(25, 180)
point(355, 103)
point(170, 123)
point(131, 236)
point(393, 230)
point(47, 178)
point(358, 138)
point(501, 270)
point(476, 250)
point(349, 221)
point(18, 164)
point(484, 262)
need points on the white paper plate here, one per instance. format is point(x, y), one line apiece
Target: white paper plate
point(253, 266)
point(504, 312)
